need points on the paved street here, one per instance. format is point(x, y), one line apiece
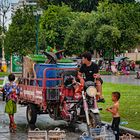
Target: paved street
point(44, 122)
point(125, 79)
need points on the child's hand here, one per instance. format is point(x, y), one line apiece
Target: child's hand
point(108, 109)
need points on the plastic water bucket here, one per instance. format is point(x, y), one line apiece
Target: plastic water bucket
point(39, 68)
point(67, 65)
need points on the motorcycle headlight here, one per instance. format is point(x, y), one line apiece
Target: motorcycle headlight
point(91, 91)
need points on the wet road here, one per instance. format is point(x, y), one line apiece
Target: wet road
point(125, 79)
point(43, 123)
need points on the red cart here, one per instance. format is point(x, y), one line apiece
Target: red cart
point(56, 96)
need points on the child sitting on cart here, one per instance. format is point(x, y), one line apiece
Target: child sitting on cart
point(11, 91)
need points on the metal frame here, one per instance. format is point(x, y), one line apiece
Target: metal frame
point(37, 95)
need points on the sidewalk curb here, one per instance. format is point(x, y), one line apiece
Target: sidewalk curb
point(127, 130)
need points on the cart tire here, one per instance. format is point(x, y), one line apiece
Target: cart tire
point(31, 114)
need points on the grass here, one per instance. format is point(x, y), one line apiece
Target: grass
point(129, 104)
point(4, 74)
point(1, 82)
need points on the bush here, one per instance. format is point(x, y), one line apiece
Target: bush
point(138, 62)
point(4, 74)
point(38, 58)
point(105, 73)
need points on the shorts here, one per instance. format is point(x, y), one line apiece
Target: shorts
point(10, 107)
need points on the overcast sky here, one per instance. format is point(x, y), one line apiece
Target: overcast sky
point(9, 13)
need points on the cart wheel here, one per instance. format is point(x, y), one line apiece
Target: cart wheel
point(31, 114)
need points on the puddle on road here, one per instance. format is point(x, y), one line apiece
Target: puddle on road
point(22, 132)
point(44, 122)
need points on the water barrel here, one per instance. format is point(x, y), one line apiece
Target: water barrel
point(39, 69)
point(67, 65)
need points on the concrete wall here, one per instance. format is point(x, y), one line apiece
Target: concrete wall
point(133, 56)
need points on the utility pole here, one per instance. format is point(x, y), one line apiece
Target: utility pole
point(4, 8)
point(37, 14)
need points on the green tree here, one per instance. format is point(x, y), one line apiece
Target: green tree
point(53, 24)
point(74, 41)
point(80, 5)
point(113, 26)
point(76, 5)
point(20, 38)
point(107, 39)
point(121, 1)
point(126, 19)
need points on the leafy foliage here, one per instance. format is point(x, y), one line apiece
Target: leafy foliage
point(74, 42)
point(53, 25)
point(20, 38)
point(82, 5)
point(79, 5)
point(113, 27)
point(76, 5)
point(121, 1)
point(126, 19)
point(108, 35)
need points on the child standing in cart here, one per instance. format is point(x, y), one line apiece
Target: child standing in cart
point(115, 114)
point(11, 90)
